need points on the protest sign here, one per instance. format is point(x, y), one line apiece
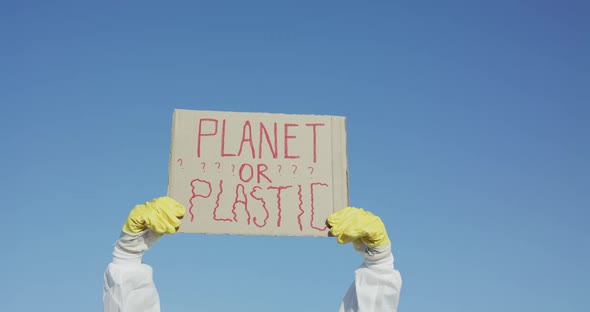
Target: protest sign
point(258, 173)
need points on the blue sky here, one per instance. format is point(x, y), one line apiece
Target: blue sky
point(468, 125)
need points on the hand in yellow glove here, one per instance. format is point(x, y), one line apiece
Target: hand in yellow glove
point(161, 215)
point(357, 225)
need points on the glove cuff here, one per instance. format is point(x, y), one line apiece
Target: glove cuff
point(375, 255)
point(130, 247)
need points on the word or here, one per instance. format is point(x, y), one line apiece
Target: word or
point(256, 196)
point(265, 138)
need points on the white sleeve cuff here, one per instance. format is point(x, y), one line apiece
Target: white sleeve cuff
point(375, 255)
point(131, 247)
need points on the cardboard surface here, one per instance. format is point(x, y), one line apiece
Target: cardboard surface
point(258, 173)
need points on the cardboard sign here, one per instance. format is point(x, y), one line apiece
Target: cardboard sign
point(256, 173)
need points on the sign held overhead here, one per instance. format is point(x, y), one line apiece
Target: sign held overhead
point(258, 173)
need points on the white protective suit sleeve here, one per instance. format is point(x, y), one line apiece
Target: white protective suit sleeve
point(377, 284)
point(128, 285)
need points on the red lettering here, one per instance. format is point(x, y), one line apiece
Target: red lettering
point(287, 137)
point(263, 131)
point(313, 207)
point(315, 142)
point(223, 153)
point(196, 194)
point(217, 205)
point(254, 190)
point(261, 169)
point(201, 134)
point(249, 139)
point(244, 202)
point(279, 189)
point(245, 197)
point(300, 207)
point(241, 172)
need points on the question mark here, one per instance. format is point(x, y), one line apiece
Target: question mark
point(279, 168)
point(311, 169)
point(203, 166)
point(180, 162)
point(294, 168)
point(218, 165)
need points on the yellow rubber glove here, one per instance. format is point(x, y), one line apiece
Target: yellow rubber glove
point(357, 225)
point(161, 215)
